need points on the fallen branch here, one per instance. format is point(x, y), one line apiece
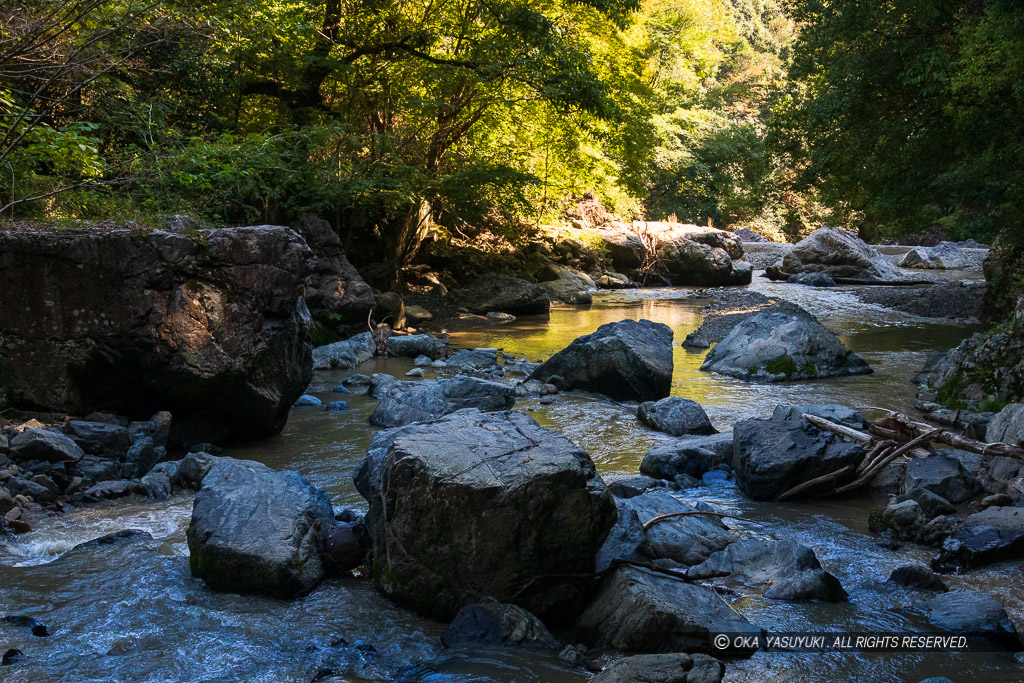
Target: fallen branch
point(800, 488)
point(670, 515)
point(957, 440)
point(874, 469)
point(842, 430)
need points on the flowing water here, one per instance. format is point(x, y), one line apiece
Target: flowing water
point(130, 610)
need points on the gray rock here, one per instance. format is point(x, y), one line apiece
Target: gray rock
point(345, 355)
point(839, 254)
point(405, 402)
point(155, 485)
point(691, 263)
point(1008, 425)
point(473, 360)
point(748, 235)
point(945, 255)
point(417, 314)
point(307, 400)
point(676, 416)
point(415, 372)
point(101, 439)
point(106, 490)
point(626, 360)
point(149, 445)
point(632, 486)
point(503, 294)
point(970, 613)
point(258, 530)
point(32, 489)
point(416, 345)
point(830, 411)
point(476, 505)
point(772, 456)
point(943, 476)
point(422, 362)
point(565, 284)
point(43, 444)
point(775, 347)
point(917, 576)
point(637, 610)
point(932, 504)
point(992, 535)
point(625, 248)
point(663, 668)
point(498, 623)
point(194, 468)
point(811, 280)
point(785, 570)
point(93, 469)
point(692, 456)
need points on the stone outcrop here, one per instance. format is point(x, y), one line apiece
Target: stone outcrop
point(504, 294)
point(209, 324)
point(776, 347)
point(477, 505)
point(627, 360)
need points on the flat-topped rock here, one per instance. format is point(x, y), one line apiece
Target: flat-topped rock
point(405, 402)
point(992, 535)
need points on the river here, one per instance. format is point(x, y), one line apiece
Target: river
point(130, 610)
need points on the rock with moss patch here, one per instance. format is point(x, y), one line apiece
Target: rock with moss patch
point(776, 347)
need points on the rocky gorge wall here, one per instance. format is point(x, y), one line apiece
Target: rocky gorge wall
point(211, 325)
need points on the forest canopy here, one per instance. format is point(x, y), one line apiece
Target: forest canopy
point(392, 118)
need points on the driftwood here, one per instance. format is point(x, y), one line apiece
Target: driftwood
point(889, 438)
point(671, 515)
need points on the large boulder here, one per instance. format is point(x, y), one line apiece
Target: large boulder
point(566, 285)
point(728, 242)
point(504, 294)
point(414, 345)
point(840, 254)
point(772, 456)
point(676, 416)
point(479, 505)
point(345, 355)
point(405, 402)
point(334, 291)
point(691, 456)
point(945, 255)
point(44, 444)
point(209, 323)
point(624, 246)
point(992, 535)
point(676, 667)
point(626, 360)
point(258, 530)
point(785, 570)
point(943, 475)
point(687, 262)
point(638, 610)
point(776, 347)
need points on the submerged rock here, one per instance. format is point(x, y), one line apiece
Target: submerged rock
point(839, 254)
point(626, 360)
point(405, 402)
point(970, 613)
point(772, 456)
point(811, 280)
point(785, 570)
point(638, 610)
point(258, 530)
point(676, 416)
point(476, 505)
point(692, 456)
point(677, 667)
point(775, 347)
point(498, 623)
point(917, 576)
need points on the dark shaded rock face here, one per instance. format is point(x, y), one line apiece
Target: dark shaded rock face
point(334, 291)
point(499, 623)
point(258, 530)
point(917, 576)
point(839, 254)
point(992, 535)
point(504, 294)
point(775, 347)
point(637, 610)
point(626, 360)
point(784, 569)
point(405, 402)
point(211, 324)
point(772, 456)
point(43, 444)
point(677, 667)
point(688, 262)
point(476, 505)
